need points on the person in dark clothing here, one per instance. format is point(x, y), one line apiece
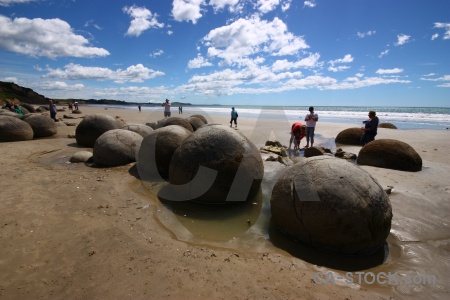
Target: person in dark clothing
point(370, 128)
point(234, 116)
point(53, 110)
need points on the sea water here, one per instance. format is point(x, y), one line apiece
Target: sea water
point(402, 117)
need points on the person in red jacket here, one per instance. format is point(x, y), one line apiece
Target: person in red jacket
point(298, 131)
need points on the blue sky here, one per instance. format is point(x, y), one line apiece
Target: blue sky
point(231, 52)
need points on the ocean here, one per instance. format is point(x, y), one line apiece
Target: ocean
point(403, 117)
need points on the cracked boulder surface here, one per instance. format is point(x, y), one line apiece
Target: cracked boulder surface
point(234, 164)
point(13, 129)
point(116, 147)
point(92, 127)
point(157, 149)
point(332, 205)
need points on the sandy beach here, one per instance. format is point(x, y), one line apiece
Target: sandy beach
point(74, 231)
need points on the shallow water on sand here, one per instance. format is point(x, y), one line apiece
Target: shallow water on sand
point(406, 266)
point(416, 253)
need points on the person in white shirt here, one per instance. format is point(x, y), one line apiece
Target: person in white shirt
point(166, 108)
point(311, 120)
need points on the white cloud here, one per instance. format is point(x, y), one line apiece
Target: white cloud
point(434, 36)
point(389, 71)
point(247, 37)
point(51, 38)
point(157, 53)
point(91, 23)
point(385, 52)
point(187, 10)
point(311, 61)
point(60, 85)
point(364, 34)
point(12, 2)
point(402, 39)
point(445, 79)
point(338, 68)
point(286, 5)
point(198, 62)
point(348, 58)
point(446, 26)
point(143, 19)
point(136, 73)
point(311, 3)
point(221, 4)
point(264, 6)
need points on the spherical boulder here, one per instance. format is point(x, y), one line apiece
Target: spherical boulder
point(29, 107)
point(43, 126)
point(116, 147)
point(195, 122)
point(93, 126)
point(230, 164)
point(331, 205)
point(5, 112)
point(350, 136)
point(13, 129)
point(390, 154)
point(316, 151)
point(141, 129)
point(387, 125)
point(174, 121)
point(201, 117)
point(157, 150)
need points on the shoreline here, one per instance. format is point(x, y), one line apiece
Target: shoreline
point(70, 230)
point(404, 120)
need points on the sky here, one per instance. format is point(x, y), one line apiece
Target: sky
point(231, 52)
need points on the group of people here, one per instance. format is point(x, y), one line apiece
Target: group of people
point(299, 131)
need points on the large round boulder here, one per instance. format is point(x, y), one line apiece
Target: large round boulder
point(331, 205)
point(157, 150)
point(6, 112)
point(174, 121)
point(43, 126)
point(195, 122)
point(13, 129)
point(141, 129)
point(350, 136)
point(390, 154)
point(92, 127)
point(116, 147)
point(201, 117)
point(29, 107)
point(387, 125)
point(217, 164)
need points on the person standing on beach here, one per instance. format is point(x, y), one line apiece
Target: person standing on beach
point(139, 106)
point(166, 108)
point(234, 116)
point(53, 110)
point(18, 109)
point(298, 131)
point(370, 129)
point(311, 120)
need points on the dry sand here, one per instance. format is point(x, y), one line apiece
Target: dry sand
point(78, 232)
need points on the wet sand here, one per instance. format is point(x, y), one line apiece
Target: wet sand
point(74, 231)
